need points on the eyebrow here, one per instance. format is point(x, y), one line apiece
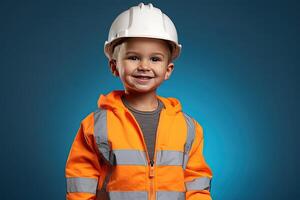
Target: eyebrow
point(134, 52)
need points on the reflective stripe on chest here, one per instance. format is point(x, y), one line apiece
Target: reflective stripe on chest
point(138, 157)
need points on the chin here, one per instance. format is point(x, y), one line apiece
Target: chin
point(141, 90)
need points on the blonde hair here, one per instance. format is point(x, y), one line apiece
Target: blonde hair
point(116, 51)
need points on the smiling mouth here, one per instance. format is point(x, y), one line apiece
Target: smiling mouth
point(143, 77)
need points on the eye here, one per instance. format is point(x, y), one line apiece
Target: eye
point(133, 58)
point(155, 59)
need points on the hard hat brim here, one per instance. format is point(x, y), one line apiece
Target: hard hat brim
point(109, 46)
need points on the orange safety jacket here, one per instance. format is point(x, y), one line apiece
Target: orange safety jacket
point(110, 140)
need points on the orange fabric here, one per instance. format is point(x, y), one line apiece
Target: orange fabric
point(124, 133)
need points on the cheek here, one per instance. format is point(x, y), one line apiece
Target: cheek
point(162, 69)
point(124, 69)
point(129, 67)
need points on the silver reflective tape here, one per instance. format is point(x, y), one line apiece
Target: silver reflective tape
point(86, 185)
point(202, 183)
point(185, 160)
point(130, 195)
point(168, 157)
point(100, 129)
point(168, 195)
point(189, 140)
point(130, 157)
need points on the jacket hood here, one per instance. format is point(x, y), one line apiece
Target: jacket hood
point(112, 101)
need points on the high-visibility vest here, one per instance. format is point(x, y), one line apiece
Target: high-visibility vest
point(110, 141)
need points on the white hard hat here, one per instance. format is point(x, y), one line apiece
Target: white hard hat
point(142, 21)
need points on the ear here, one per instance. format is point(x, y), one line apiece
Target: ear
point(169, 71)
point(113, 67)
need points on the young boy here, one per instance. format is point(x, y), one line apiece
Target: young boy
point(138, 145)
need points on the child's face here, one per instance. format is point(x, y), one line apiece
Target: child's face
point(142, 64)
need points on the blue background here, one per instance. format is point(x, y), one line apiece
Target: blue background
point(238, 75)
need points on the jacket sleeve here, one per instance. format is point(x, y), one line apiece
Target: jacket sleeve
point(198, 175)
point(83, 168)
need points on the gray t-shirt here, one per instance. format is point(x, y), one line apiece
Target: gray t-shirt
point(148, 121)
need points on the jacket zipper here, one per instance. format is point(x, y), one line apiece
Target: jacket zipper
point(151, 176)
point(152, 166)
point(151, 163)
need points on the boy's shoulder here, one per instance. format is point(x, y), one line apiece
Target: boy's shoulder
point(87, 123)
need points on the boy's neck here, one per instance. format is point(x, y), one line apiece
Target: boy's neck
point(142, 101)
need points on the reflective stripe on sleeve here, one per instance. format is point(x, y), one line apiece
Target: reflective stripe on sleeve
point(166, 195)
point(202, 183)
point(100, 129)
point(189, 140)
point(85, 185)
point(130, 157)
point(128, 195)
point(168, 157)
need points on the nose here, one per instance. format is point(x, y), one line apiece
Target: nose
point(143, 65)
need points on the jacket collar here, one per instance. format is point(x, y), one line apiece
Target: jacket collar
point(112, 101)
